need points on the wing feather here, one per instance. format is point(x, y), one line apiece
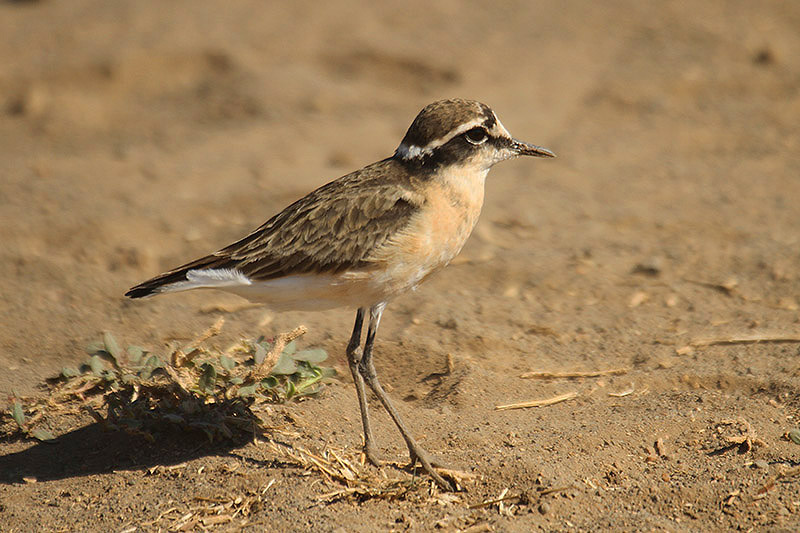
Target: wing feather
point(330, 230)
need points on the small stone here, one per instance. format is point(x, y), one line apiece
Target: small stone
point(760, 464)
point(764, 56)
point(447, 323)
point(544, 508)
point(649, 267)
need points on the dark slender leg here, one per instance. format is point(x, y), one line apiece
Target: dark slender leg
point(353, 358)
point(367, 370)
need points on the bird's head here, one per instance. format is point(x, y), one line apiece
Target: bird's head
point(464, 132)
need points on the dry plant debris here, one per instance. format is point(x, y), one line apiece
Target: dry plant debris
point(576, 374)
point(352, 482)
point(745, 439)
point(746, 339)
point(727, 287)
point(206, 511)
point(538, 403)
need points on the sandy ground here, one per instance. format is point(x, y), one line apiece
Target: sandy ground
point(135, 135)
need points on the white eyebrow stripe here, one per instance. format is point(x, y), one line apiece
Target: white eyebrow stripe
point(413, 151)
point(409, 152)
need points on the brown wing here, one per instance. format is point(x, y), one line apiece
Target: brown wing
point(332, 229)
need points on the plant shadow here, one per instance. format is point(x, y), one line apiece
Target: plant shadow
point(94, 449)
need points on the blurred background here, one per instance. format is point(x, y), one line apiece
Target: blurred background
point(137, 135)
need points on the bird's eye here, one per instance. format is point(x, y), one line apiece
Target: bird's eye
point(476, 136)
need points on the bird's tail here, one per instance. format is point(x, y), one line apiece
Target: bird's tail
point(209, 271)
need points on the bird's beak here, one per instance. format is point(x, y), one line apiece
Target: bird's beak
point(523, 148)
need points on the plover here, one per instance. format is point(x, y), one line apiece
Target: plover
point(367, 237)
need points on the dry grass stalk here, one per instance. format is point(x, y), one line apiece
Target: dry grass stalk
point(538, 403)
point(746, 339)
point(335, 468)
point(182, 355)
point(261, 371)
point(577, 374)
point(504, 496)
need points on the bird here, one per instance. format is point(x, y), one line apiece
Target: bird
point(363, 239)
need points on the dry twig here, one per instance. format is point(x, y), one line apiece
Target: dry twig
point(183, 355)
point(504, 497)
point(577, 374)
point(746, 339)
point(538, 403)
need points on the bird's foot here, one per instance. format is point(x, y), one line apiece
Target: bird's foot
point(372, 455)
point(429, 465)
point(421, 455)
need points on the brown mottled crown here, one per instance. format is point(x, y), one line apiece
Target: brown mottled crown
point(438, 119)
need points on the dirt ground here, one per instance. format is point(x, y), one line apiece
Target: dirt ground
point(136, 135)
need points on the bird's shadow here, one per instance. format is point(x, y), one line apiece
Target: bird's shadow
point(94, 449)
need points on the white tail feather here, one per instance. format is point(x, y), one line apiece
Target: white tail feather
point(212, 278)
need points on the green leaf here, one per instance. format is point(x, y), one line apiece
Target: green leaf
point(290, 390)
point(260, 354)
point(306, 370)
point(135, 354)
point(236, 380)
point(247, 390)
point(315, 355)
point(208, 378)
point(70, 372)
point(150, 366)
point(17, 413)
point(42, 435)
point(96, 364)
point(95, 347)
point(285, 366)
point(269, 382)
point(327, 372)
point(227, 362)
point(111, 345)
point(290, 348)
point(794, 435)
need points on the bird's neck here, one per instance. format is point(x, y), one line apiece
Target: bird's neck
point(464, 186)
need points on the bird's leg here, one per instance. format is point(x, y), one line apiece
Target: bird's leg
point(353, 358)
point(367, 370)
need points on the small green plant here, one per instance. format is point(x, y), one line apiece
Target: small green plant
point(294, 375)
point(192, 387)
point(208, 372)
point(132, 365)
point(24, 424)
